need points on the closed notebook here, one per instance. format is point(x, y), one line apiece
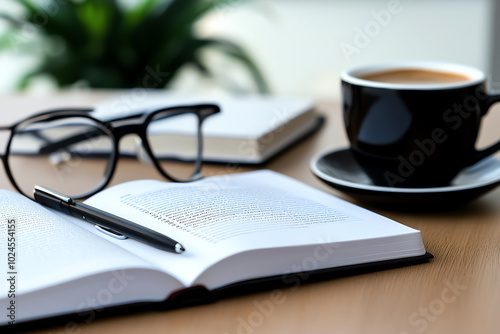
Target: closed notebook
point(248, 130)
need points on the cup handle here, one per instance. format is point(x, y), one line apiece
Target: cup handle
point(481, 154)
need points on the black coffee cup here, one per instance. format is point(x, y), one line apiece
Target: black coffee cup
point(415, 124)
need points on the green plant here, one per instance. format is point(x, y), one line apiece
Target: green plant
point(111, 44)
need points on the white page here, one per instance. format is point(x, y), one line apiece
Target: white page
point(58, 266)
point(221, 216)
point(50, 250)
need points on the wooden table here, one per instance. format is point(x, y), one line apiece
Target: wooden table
point(457, 292)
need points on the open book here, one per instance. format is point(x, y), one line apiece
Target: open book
point(237, 229)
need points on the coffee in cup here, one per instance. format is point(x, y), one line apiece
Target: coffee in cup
point(415, 124)
point(414, 76)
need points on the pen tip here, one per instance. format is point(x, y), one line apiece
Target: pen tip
point(179, 248)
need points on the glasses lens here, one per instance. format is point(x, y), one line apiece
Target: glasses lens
point(174, 141)
point(71, 155)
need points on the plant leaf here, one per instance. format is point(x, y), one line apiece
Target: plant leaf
point(170, 24)
point(137, 13)
point(109, 44)
point(238, 53)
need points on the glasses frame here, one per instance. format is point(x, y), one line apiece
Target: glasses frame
point(118, 128)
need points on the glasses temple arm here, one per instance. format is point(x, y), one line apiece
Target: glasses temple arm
point(60, 144)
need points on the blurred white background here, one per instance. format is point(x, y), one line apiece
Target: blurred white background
point(302, 46)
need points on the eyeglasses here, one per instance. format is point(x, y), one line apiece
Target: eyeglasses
point(73, 152)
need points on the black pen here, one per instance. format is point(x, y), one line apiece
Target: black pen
point(104, 221)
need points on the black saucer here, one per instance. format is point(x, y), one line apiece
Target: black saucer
point(340, 170)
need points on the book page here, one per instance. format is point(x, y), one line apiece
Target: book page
point(46, 250)
point(218, 217)
point(220, 211)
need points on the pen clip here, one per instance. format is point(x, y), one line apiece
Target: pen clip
point(54, 194)
point(110, 232)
